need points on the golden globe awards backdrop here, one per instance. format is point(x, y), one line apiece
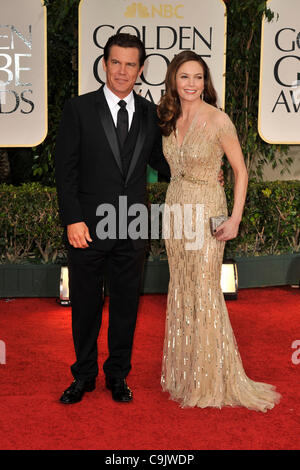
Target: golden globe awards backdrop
point(23, 76)
point(166, 28)
point(279, 97)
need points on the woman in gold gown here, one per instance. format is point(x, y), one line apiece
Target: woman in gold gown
point(201, 363)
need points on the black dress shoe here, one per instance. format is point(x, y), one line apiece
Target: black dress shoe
point(119, 389)
point(75, 392)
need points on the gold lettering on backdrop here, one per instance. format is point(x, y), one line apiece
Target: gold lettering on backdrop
point(176, 11)
point(156, 11)
point(142, 11)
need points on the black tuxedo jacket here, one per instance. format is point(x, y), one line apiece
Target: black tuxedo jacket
point(88, 160)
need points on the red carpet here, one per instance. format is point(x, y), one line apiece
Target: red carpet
point(39, 351)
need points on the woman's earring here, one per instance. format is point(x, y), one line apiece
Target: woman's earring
point(202, 95)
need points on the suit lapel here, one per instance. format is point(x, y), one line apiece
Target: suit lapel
point(141, 111)
point(109, 127)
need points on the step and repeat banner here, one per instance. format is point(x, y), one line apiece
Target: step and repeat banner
point(166, 28)
point(23, 73)
point(279, 97)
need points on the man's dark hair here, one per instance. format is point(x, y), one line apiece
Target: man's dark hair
point(125, 40)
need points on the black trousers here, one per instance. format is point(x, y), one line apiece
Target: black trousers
point(123, 267)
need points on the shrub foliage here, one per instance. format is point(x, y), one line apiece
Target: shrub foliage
point(30, 227)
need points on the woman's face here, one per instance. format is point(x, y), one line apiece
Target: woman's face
point(190, 81)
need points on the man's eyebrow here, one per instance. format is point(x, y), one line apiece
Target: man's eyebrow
point(127, 63)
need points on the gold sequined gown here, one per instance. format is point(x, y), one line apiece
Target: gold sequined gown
point(201, 363)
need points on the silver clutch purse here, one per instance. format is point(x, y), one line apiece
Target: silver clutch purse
point(214, 222)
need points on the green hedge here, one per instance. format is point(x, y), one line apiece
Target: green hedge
point(30, 229)
point(29, 225)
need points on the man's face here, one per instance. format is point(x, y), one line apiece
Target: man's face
point(122, 69)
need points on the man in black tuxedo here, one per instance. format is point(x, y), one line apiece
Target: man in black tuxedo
point(105, 141)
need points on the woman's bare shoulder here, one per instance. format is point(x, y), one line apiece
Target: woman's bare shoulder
point(219, 116)
point(216, 117)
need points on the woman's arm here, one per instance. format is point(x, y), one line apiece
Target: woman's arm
point(233, 151)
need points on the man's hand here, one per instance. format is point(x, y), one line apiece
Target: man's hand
point(78, 235)
point(221, 178)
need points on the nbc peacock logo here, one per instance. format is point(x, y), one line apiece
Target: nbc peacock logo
point(139, 10)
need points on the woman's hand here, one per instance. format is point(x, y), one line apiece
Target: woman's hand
point(227, 230)
point(221, 178)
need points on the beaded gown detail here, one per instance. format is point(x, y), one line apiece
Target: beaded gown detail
point(201, 364)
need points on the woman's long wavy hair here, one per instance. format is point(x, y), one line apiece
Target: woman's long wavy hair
point(169, 107)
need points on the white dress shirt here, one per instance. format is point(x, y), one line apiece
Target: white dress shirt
point(112, 101)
